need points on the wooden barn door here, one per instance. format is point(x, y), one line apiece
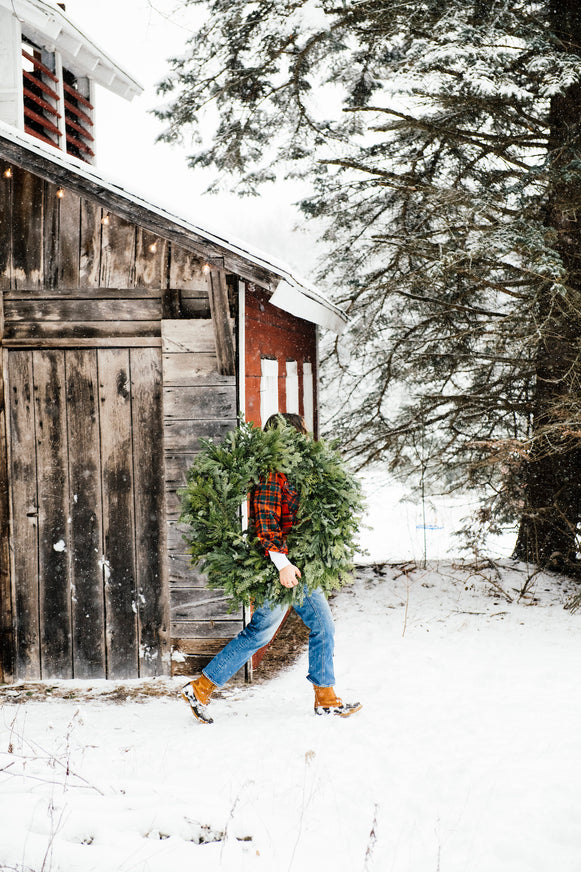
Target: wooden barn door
point(85, 452)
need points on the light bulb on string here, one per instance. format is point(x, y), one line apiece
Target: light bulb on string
point(8, 173)
point(60, 193)
point(105, 219)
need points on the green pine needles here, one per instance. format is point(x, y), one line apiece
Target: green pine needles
point(323, 541)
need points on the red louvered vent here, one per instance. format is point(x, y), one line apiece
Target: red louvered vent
point(78, 119)
point(56, 111)
point(41, 98)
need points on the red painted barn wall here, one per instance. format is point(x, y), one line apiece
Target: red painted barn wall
point(270, 332)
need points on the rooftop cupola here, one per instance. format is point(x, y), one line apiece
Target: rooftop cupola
point(48, 71)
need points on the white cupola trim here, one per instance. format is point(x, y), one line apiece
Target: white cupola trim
point(50, 28)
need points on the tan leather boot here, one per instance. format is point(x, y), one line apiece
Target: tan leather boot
point(328, 703)
point(197, 694)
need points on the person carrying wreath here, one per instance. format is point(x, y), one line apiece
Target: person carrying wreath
point(273, 509)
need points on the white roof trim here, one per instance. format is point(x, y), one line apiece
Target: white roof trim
point(292, 294)
point(51, 28)
point(308, 304)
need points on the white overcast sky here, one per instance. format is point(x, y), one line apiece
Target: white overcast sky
point(139, 35)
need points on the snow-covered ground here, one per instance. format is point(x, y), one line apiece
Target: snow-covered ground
point(466, 755)
point(412, 529)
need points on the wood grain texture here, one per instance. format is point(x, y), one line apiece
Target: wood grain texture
point(7, 650)
point(80, 330)
point(70, 310)
point(176, 467)
point(181, 438)
point(151, 259)
point(66, 292)
point(85, 342)
point(6, 226)
point(27, 229)
point(198, 604)
point(90, 244)
point(223, 334)
point(221, 628)
point(118, 512)
point(186, 270)
point(53, 504)
point(69, 241)
point(201, 647)
point(189, 368)
point(24, 511)
point(189, 335)
point(152, 588)
point(50, 236)
point(86, 515)
point(118, 252)
point(200, 403)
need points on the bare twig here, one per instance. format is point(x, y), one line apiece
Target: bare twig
point(527, 583)
point(372, 839)
point(309, 757)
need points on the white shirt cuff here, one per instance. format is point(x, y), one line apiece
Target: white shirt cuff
point(280, 560)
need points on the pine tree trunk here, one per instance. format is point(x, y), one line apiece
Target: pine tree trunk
point(549, 525)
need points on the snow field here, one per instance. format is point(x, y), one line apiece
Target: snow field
point(467, 754)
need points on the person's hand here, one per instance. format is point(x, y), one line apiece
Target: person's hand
point(289, 575)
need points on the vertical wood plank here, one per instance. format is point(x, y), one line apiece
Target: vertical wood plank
point(90, 244)
point(51, 452)
point(6, 605)
point(86, 516)
point(117, 253)
point(6, 224)
point(27, 221)
point(220, 310)
point(118, 512)
point(50, 235)
point(186, 270)
point(151, 253)
point(153, 593)
point(24, 509)
point(69, 241)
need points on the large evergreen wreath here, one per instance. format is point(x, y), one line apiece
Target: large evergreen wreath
point(322, 542)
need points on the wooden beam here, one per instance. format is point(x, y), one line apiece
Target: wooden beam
point(220, 310)
point(64, 330)
point(80, 342)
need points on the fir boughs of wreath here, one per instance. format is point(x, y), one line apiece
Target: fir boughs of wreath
point(323, 541)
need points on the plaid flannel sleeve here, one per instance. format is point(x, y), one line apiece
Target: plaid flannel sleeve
point(267, 511)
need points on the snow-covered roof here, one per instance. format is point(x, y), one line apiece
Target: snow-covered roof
point(291, 294)
point(49, 26)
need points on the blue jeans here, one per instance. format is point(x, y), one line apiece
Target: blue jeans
point(314, 612)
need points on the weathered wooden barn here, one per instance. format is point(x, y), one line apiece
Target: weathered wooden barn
point(127, 334)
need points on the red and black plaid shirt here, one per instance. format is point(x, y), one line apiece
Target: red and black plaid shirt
point(274, 504)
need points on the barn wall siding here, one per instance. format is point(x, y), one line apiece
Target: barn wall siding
point(198, 402)
point(102, 426)
point(118, 357)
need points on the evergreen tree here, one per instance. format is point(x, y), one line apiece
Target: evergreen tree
point(442, 139)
